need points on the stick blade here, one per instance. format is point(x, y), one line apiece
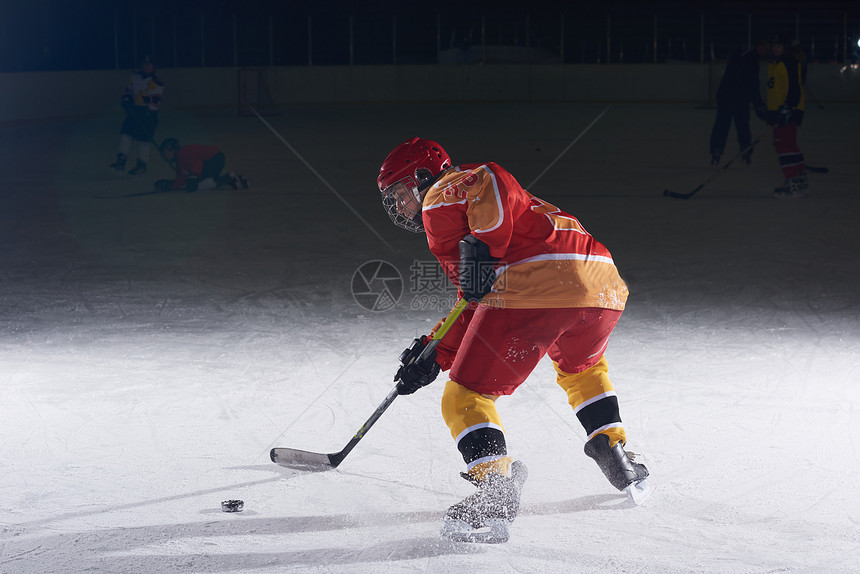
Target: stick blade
point(674, 195)
point(302, 459)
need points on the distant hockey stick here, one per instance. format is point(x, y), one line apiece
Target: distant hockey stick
point(719, 171)
point(140, 193)
point(812, 98)
point(317, 462)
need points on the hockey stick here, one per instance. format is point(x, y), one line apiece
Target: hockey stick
point(812, 98)
point(719, 171)
point(317, 462)
point(139, 193)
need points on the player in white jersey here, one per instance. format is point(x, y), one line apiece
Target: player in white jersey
point(141, 101)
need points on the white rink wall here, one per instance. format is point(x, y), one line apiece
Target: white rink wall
point(45, 95)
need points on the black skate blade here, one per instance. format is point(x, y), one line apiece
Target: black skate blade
point(301, 459)
point(817, 169)
point(495, 532)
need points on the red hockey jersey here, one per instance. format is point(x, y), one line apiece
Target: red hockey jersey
point(546, 258)
point(190, 160)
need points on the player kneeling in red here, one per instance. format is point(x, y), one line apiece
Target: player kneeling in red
point(197, 167)
point(542, 285)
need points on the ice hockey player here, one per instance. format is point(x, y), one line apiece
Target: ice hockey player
point(738, 89)
point(197, 167)
point(141, 101)
point(785, 105)
point(539, 284)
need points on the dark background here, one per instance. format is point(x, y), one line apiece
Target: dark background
point(104, 34)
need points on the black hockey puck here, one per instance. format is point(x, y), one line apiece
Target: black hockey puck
point(232, 505)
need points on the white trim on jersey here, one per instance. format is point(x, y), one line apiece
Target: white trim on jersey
point(498, 202)
point(429, 207)
point(558, 257)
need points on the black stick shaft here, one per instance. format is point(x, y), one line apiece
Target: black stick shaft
point(337, 458)
point(717, 173)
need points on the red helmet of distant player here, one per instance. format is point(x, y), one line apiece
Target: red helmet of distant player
point(406, 173)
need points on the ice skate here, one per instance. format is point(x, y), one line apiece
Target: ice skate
point(238, 180)
point(793, 187)
point(119, 164)
point(139, 169)
point(799, 185)
point(226, 180)
point(486, 515)
point(783, 190)
point(619, 468)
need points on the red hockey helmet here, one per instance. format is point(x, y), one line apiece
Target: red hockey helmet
point(407, 171)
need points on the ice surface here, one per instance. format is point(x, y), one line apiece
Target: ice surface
point(153, 349)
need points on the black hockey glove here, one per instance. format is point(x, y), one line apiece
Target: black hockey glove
point(164, 185)
point(414, 373)
point(783, 115)
point(191, 184)
point(477, 272)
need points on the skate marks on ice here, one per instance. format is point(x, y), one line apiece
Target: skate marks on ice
point(24, 526)
point(588, 503)
point(498, 531)
point(228, 543)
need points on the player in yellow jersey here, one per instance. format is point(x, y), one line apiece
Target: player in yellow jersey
point(785, 105)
